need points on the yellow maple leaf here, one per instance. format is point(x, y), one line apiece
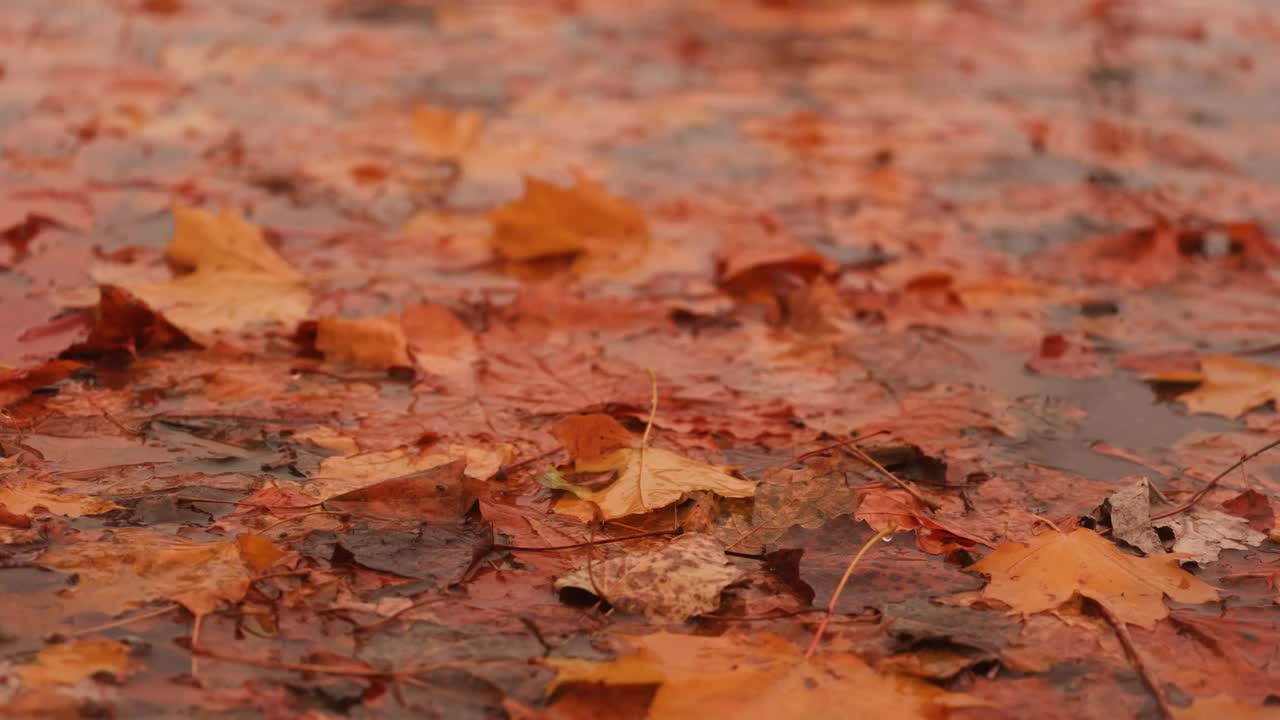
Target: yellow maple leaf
point(1056, 566)
point(237, 279)
point(583, 220)
point(1229, 386)
point(69, 663)
point(134, 566)
point(761, 676)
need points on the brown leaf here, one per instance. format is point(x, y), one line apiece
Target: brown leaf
point(123, 322)
point(436, 553)
point(1228, 386)
point(589, 439)
point(670, 585)
point(434, 494)
point(665, 478)
point(1056, 566)
point(1199, 533)
point(21, 496)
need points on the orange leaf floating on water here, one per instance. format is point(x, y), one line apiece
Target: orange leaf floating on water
point(1229, 386)
point(756, 676)
point(1056, 566)
point(585, 221)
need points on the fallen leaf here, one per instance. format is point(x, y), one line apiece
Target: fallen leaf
point(595, 444)
point(258, 552)
point(670, 585)
point(1223, 707)
point(437, 553)
point(123, 322)
point(373, 342)
point(69, 663)
point(1199, 534)
point(759, 676)
point(584, 221)
point(203, 241)
point(133, 566)
point(433, 494)
point(444, 133)
point(1056, 566)
point(236, 278)
point(1229, 386)
point(21, 496)
point(343, 474)
point(1254, 507)
point(665, 478)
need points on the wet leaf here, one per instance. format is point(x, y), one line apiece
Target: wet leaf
point(372, 342)
point(651, 480)
point(670, 585)
point(1056, 566)
point(132, 566)
point(437, 553)
point(1220, 707)
point(444, 133)
point(69, 663)
point(1229, 386)
point(1199, 534)
point(760, 676)
point(22, 496)
point(585, 221)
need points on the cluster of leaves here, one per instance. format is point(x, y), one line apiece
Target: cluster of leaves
point(595, 390)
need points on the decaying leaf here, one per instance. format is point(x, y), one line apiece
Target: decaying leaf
point(69, 663)
point(670, 585)
point(1229, 386)
point(132, 566)
point(1199, 533)
point(433, 494)
point(583, 221)
point(21, 496)
point(756, 676)
point(1056, 566)
point(373, 342)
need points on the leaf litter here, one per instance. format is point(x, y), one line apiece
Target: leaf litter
point(715, 319)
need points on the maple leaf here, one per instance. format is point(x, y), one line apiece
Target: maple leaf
point(644, 478)
point(1229, 386)
point(374, 342)
point(584, 221)
point(761, 676)
point(237, 279)
point(22, 496)
point(134, 566)
point(445, 133)
point(1056, 566)
point(669, 585)
point(344, 474)
point(69, 663)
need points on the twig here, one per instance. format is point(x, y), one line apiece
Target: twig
point(1214, 482)
point(574, 546)
point(834, 446)
point(156, 612)
point(644, 439)
point(831, 606)
point(864, 457)
point(1148, 677)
